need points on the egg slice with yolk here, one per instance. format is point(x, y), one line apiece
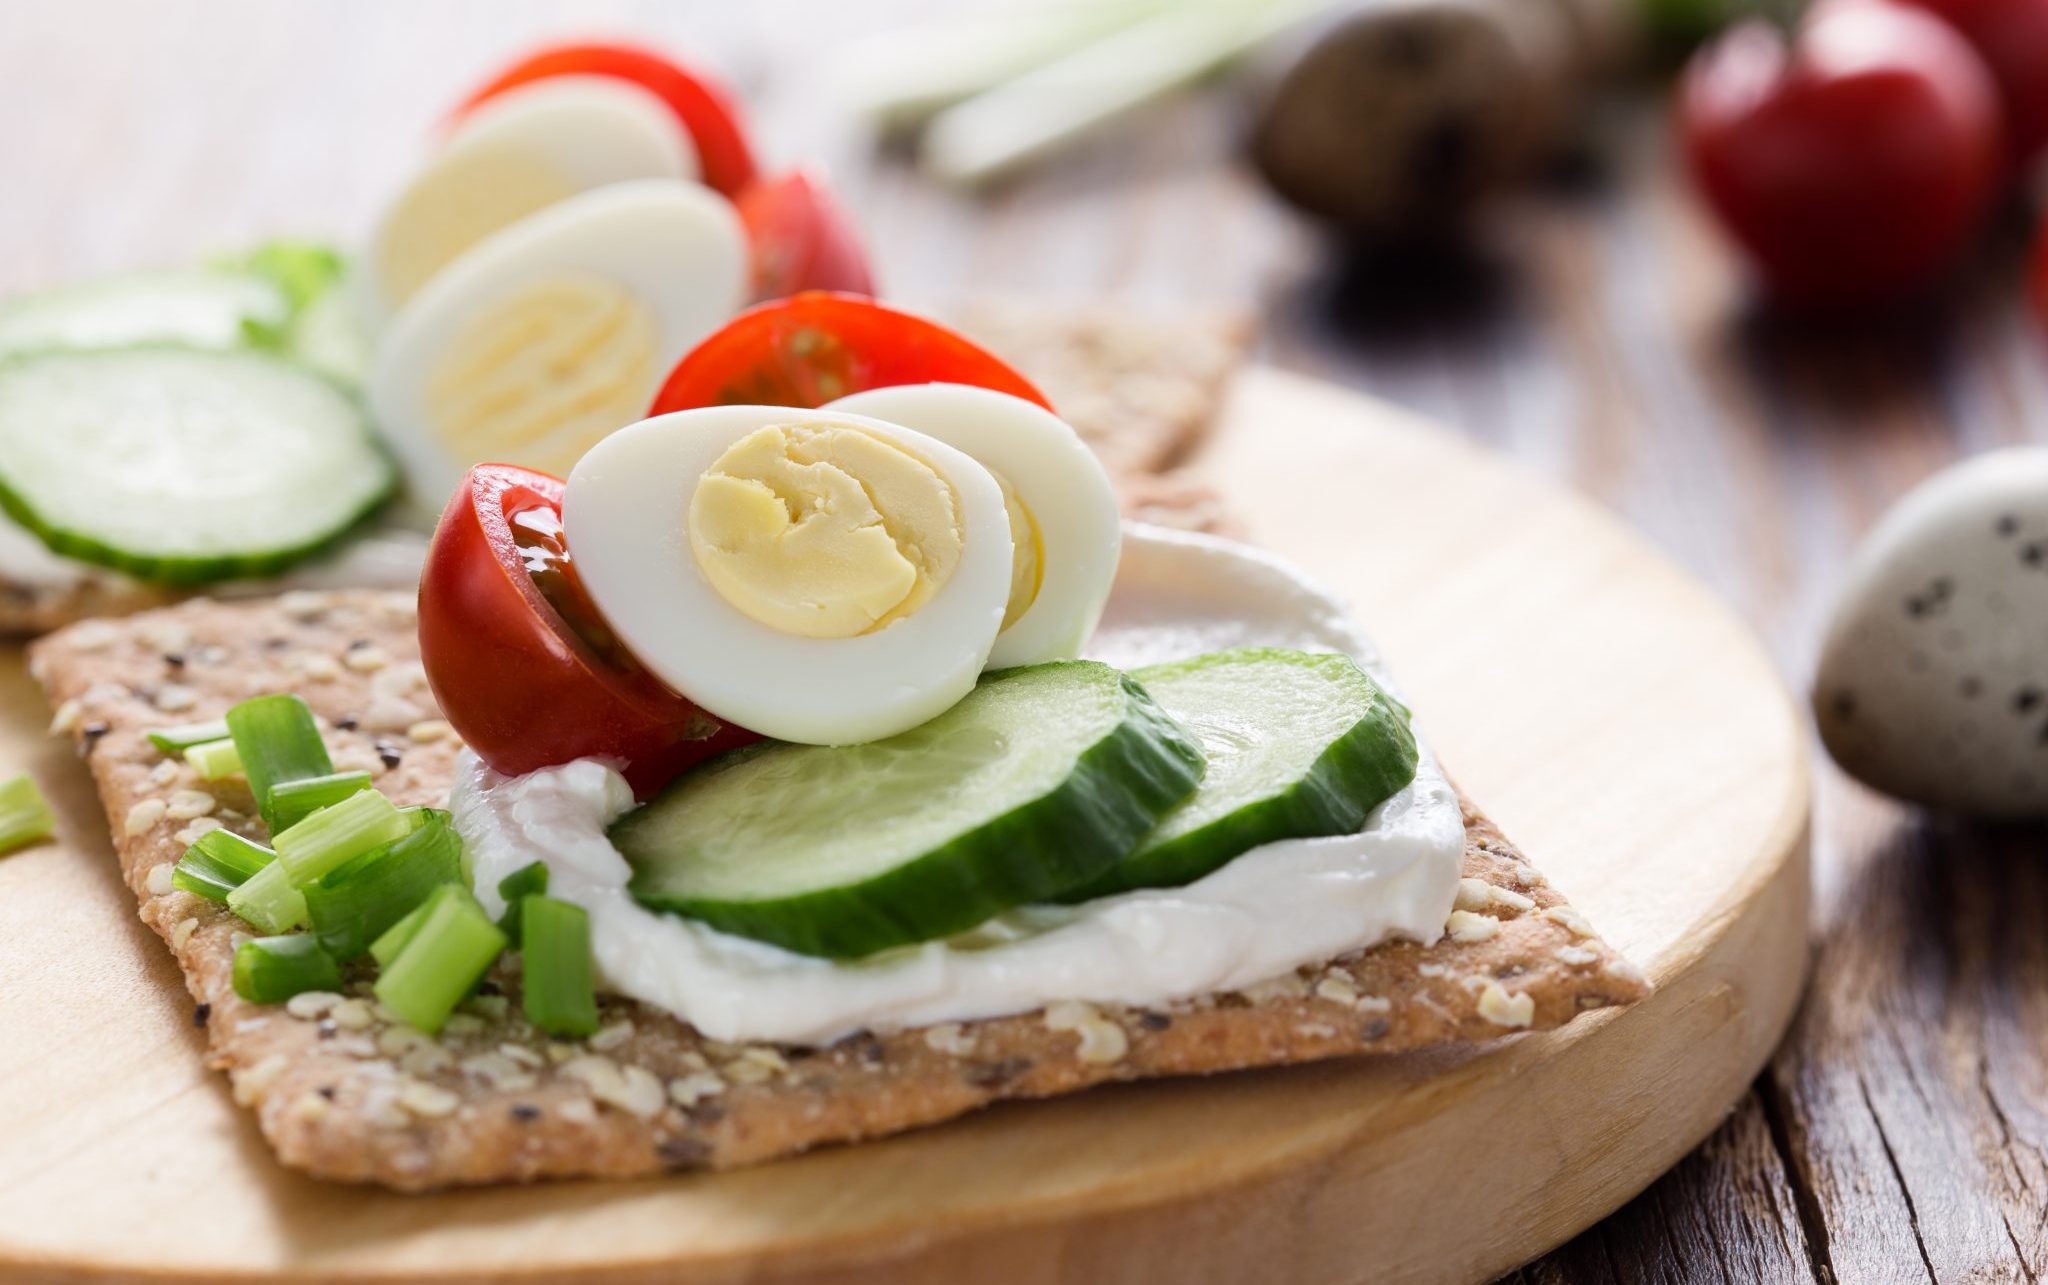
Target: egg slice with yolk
point(1063, 514)
point(812, 575)
point(549, 335)
point(516, 154)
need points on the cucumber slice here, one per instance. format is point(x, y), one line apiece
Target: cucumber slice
point(203, 308)
point(1039, 779)
point(182, 465)
point(1298, 743)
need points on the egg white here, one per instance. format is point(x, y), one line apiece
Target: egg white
point(676, 247)
point(1059, 480)
point(587, 131)
point(625, 513)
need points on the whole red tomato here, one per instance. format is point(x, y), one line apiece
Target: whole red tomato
point(700, 103)
point(1854, 165)
point(817, 347)
point(2011, 36)
point(520, 660)
point(801, 239)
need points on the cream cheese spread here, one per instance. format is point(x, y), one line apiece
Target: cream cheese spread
point(1272, 909)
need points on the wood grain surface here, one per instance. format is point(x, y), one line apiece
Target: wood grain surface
point(1596, 332)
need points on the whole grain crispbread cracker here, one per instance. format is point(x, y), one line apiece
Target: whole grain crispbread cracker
point(343, 1093)
point(1141, 388)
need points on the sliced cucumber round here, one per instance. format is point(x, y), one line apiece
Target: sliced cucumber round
point(1298, 744)
point(1038, 780)
point(200, 307)
point(182, 465)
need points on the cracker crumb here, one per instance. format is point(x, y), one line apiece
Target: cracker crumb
point(1102, 1041)
point(175, 698)
point(429, 730)
point(198, 829)
point(1504, 1008)
point(366, 660)
point(304, 605)
point(688, 1090)
point(429, 1101)
point(1511, 899)
point(1474, 894)
point(142, 818)
point(158, 881)
point(93, 635)
point(632, 1089)
point(1464, 926)
point(312, 1005)
point(353, 1015)
point(1568, 916)
point(950, 1039)
point(252, 1083)
point(65, 720)
point(316, 668)
point(183, 932)
point(308, 1107)
point(1285, 986)
point(1337, 988)
point(189, 805)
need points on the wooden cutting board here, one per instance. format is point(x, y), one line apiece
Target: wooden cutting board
point(1621, 725)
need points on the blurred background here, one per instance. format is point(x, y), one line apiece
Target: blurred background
point(1504, 236)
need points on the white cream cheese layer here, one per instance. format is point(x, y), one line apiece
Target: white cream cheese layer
point(1271, 910)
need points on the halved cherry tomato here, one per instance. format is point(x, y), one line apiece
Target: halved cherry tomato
point(802, 240)
point(1853, 165)
point(816, 347)
point(520, 660)
point(703, 106)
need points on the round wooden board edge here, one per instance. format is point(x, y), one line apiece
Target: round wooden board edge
point(1136, 1235)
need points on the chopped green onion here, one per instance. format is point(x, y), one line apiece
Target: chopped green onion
point(293, 801)
point(268, 900)
point(220, 862)
point(216, 760)
point(324, 840)
point(278, 742)
point(355, 904)
point(529, 880)
point(447, 955)
point(269, 970)
point(25, 815)
point(561, 985)
point(387, 948)
point(176, 740)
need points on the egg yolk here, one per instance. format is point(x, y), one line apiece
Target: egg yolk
point(824, 531)
point(1027, 554)
point(460, 201)
point(538, 379)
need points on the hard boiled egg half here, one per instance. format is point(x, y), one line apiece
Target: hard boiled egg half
point(551, 333)
point(516, 154)
point(837, 575)
point(814, 576)
point(1063, 514)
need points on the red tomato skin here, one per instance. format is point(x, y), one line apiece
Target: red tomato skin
point(1854, 166)
point(511, 678)
point(801, 239)
point(2037, 278)
point(816, 347)
point(2011, 36)
point(707, 112)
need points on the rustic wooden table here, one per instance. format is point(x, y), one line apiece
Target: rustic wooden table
point(1600, 336)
